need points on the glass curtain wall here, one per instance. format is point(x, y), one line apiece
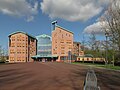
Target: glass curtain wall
point(44, 45)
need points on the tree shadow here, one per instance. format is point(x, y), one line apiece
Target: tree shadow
point(108, 79)
point(74, 80)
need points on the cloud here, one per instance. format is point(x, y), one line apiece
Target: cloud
point(100, 27)
point(95, 27)
point(73, 10)
point(19, 8)
point(30, 18)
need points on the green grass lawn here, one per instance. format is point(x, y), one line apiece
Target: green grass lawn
point(109, 66)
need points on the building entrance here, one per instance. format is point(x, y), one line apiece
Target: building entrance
point(45, 59)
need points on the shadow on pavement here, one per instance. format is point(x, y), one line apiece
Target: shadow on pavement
point(108, 80)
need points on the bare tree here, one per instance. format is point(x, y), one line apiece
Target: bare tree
point(111, 23)
point(93, 44)
point(92, 41)
point(3, 54)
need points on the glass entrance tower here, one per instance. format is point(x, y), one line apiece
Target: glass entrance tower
point(44, 49)
point(44, 45)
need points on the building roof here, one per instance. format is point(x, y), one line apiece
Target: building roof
point(81, 56)
point(43, 36)
point(64, 29)
point(86, 55)
point(22, 33)
point(77, 42)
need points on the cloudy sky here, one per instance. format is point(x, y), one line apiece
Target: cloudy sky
point(35, 17)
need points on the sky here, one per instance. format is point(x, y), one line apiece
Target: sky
point(35, 17)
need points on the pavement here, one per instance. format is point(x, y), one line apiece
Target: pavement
point(53, 76)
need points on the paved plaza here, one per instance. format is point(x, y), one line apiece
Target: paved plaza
point(53, 76)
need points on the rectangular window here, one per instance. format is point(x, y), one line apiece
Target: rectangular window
point(62, 47)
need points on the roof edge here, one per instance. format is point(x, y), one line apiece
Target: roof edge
point(22, 33)
point(43, 35)
point(64, 29)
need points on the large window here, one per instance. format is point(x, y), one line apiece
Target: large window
point(44, 45)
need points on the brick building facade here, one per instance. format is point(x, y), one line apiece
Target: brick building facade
point(21, 47)
point(62, 42)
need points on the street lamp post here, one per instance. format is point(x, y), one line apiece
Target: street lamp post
point(113, 56)
point(106, 58)
point(83, 47)
point(69, 56)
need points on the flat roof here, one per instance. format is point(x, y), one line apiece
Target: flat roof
point(86, 55)
point(43, 36)
point(76, 42)
point(64, 29)
point(22, 33)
